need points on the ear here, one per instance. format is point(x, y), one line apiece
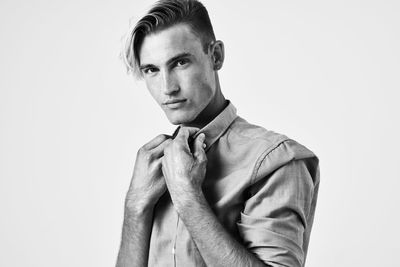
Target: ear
point(217, 54)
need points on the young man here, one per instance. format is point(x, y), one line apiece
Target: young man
point(219, 191)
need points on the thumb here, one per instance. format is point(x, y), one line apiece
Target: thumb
point(199, 145)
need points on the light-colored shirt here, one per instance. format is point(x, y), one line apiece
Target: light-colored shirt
point(262, 187)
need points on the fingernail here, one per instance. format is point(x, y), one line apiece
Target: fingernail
point(202, 136)
point(204, 145)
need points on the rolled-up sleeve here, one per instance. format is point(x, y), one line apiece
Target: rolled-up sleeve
point(277, 217)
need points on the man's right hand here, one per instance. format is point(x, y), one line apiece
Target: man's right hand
point(147, 184)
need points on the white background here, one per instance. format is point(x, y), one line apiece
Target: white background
point(322, 72)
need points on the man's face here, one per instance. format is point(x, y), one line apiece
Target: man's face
point(178, 74)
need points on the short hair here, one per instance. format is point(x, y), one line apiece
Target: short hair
point(164, 14)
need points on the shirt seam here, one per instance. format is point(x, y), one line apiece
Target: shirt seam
point(263, 155)
point(228, 127)
point(237, 132)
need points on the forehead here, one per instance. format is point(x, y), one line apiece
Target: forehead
point(158, 47)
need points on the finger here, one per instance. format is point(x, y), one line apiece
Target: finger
point(198, 148)
point(158, 162)
point(185, 139)
point(156, 141)
point(156, 166)
point(158, 151)
point(186, 132)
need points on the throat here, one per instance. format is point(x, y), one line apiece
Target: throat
point(212, 110)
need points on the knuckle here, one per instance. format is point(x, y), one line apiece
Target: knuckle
point(178, 146)
point(182, 131)
point(145, 154)
point(167, 143)
point(148, 156)
point(167, 150)
point(141, 150)
point(203, 159)
point(172, 144)
point(161, 136)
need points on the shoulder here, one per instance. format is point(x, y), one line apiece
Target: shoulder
point(271, 149)
point(243, 131)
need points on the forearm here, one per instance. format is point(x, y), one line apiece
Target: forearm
point(135, 238)
point(216, 245)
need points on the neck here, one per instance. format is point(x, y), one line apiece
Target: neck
point(215, 107)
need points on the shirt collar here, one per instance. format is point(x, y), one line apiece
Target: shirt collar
point(214, 129)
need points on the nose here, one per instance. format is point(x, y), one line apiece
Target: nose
point(169, 83)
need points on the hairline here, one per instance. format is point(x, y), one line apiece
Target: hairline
point(200, 37)
point(149, 25)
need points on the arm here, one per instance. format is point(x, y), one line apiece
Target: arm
point(277, 217)
point(184, 174)
point(216, 245)
point(147, 185)
point(135, 238)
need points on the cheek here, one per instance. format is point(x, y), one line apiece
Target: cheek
point(206, 91)
point(199, 81)
point(152, 88)
point(205, 85)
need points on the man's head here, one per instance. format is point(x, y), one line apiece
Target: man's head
point(164, 14)
point(174, 49)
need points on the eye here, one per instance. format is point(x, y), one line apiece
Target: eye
point(149, 70)
point(182, 62)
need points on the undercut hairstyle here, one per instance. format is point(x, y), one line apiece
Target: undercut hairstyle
point(164, 14)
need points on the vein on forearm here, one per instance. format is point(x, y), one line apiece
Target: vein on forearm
point(216, 245)
point(135, 240)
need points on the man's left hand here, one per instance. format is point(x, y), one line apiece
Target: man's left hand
point(184, 170)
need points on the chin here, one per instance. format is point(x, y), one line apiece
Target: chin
point(177, 119)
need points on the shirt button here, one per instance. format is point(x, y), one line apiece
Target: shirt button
point(173, 250)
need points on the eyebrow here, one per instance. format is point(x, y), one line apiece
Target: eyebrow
point(169, 61)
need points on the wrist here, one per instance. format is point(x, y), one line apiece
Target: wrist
point(135, 217)
point(188, 200)
point(137, 207)
point(137, 222)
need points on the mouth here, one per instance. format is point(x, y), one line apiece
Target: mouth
point(174, 103)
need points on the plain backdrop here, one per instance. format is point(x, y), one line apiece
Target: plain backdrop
point(325, 73)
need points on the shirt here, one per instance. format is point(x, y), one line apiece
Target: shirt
point(262, 187)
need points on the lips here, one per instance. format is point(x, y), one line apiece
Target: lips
point(173, 101)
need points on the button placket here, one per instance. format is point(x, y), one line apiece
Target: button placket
point(175, 239)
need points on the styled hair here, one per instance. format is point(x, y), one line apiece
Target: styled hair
point(164, 14)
